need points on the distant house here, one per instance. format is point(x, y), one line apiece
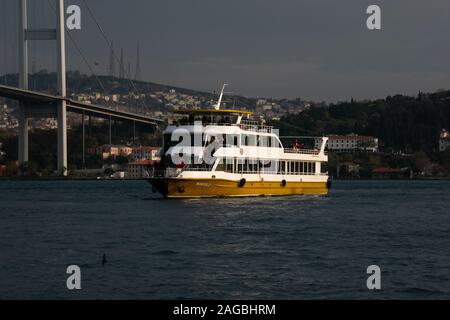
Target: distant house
point(145, 153)
point(106, 151)
point(444, 140)
point(139, 169)
point(1, 152)
point(350, 143)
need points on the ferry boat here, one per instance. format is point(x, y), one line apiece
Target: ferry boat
point(221, 153)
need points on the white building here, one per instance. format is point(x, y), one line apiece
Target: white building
point(145, 153)
point(350, 143)
point(444, 140)
point(139, 169)
point(106, 151)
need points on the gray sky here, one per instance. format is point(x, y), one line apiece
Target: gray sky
point(314, 49)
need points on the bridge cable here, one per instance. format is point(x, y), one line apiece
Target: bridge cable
point(109, 42)
point(5, 50)
point(81, 53)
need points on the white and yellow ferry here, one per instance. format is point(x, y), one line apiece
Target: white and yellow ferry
point(246, 158)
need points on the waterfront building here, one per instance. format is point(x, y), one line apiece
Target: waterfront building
point(139, 169)
point(350, 143)
point(106, 151)
point(444, 140)
point(145, 153)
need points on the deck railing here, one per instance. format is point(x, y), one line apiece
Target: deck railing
point(255, 126)
point(302, 151)
point(247, 125)
point(165, 173)
point(196, 169)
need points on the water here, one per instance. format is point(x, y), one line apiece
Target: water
point(252, 248)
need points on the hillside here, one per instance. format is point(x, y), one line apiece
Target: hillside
point(156, 97)
point(402, 123)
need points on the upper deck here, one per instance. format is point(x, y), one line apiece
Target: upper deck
point(221, 117)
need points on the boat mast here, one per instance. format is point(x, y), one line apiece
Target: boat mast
point(217, 106)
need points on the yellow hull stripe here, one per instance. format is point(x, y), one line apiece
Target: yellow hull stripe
point(189, 188)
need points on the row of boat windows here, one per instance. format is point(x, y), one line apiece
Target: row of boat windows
point(225, 140)
point(257, 166)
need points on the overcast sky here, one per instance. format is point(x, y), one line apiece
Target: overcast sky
point(314, 49)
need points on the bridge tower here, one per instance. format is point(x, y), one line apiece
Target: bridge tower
point(25, 112)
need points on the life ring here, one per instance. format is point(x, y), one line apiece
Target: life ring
point(181, 189)
point(242, 182)
point(283, 183)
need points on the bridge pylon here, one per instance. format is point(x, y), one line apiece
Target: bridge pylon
point(60, 109)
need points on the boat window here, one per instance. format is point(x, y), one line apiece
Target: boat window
point(221, 165)
point(244, 140)
point(229, 165)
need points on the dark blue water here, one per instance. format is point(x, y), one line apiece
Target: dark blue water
point(280, 248)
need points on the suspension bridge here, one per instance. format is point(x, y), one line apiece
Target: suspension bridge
point(33, 104)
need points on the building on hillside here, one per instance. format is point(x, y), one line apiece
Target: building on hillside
point(139, 169)
point(106, 151)
point(350, 143)
point(145, 153)
point(1, 151)
point(444, 140)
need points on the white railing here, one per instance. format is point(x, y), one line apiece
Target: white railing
point(196, 169)
point(156, 173)
point(243, 125)
point(302, 151)
point(165, 173)
point(255, 126)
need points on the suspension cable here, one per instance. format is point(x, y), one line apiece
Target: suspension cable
point(80, 52)
point(109, 42)
point(4, 34)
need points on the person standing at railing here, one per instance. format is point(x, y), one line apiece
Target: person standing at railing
point(296, 145)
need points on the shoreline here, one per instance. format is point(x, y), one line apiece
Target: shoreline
point(143, 179)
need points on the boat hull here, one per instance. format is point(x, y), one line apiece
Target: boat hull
point(203, 188)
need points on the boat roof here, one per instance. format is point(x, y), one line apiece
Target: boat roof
point(212, 111)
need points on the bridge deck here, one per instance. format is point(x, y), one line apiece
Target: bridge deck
point(37, 98)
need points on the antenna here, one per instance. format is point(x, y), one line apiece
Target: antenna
point(121, 67)
point(112, 63)
point(137, 75)
point(217, 106)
